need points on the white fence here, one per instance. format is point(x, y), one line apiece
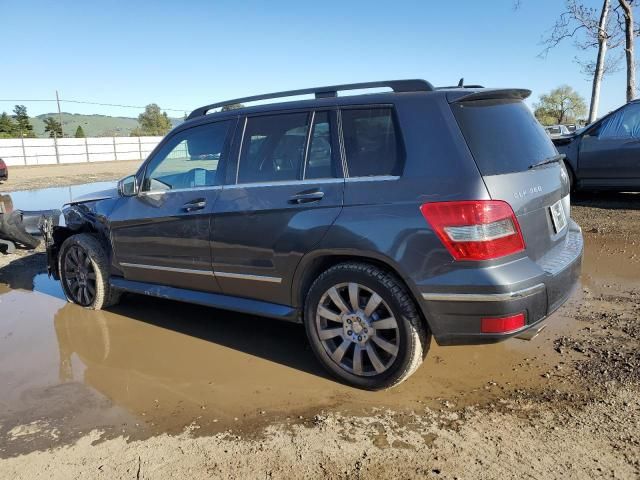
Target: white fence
point(50, 151)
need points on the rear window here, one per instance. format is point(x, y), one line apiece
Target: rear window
point(503, 135)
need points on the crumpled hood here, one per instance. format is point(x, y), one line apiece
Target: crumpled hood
point(95, 196)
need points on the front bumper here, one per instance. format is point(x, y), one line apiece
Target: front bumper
point(541, 288)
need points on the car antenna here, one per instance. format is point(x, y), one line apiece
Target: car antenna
point(461, 82)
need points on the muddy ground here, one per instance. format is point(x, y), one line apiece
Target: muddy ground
point(157, 389)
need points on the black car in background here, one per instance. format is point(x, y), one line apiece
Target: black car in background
point(606, 154)
point(375, 220)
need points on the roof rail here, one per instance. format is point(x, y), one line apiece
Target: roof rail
point(324, 92)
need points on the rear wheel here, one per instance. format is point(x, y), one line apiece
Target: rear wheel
point(83, 266)
point(364, 326)
point(572, 177)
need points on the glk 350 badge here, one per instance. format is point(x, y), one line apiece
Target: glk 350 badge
point(530, 191)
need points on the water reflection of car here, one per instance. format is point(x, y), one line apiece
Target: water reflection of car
point(4, 171)
point(606, 154)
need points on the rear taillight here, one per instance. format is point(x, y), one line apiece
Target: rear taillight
point(502, 324)
point(476, 229)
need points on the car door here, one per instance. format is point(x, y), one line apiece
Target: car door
point(609, 154)
point(162, 234)
point(286, 192)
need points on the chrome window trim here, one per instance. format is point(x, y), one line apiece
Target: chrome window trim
point(243, 276)
point(484, 297)
point(343, 153)
point(308, 143)
point(178, 190)
point(244, 131)
point(311, 181)
point(374, 178)
point(168, 269)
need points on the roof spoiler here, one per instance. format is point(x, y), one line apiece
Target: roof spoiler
point(491, 94)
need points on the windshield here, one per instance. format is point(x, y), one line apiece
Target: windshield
point(503, 135)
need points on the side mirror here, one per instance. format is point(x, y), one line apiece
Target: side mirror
point(128, 186)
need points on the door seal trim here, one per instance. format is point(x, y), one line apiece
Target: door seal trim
point(167, 269)
point(244, 276)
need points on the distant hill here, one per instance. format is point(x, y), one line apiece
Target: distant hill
point(93, 125)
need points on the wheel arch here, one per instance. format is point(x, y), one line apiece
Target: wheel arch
point(314, 263)
point(61, 233)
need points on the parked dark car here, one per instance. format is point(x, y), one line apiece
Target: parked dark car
point(376, 220)
point(4, 171)
point(606, 154)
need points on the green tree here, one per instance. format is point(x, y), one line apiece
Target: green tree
point(53, 126)
point(231, 106)
point(560, 105)
point(24, 127)
point(152, 122)
point(8, 128)
point(80, 132)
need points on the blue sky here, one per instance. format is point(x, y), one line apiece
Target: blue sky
point(182, 54)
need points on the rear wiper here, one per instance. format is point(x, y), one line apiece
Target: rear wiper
point(547, 161)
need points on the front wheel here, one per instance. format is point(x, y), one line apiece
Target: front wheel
point(84, 273)
point(364, 326)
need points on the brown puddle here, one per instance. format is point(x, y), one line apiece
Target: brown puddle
point(614, 260)
point(150, 366)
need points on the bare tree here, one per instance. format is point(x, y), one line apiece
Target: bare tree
point(589, 28)
point(630, 33)
point(599, 70)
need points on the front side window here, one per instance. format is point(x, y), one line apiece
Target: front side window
point(188, 160)
point(623, 124)
point(371, 142)
point(273, 148)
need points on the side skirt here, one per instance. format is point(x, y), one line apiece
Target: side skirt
point(215, 300)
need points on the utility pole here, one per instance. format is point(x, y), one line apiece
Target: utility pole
point(59, 113)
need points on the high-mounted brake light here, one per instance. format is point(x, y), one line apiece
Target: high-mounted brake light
point(475, 229)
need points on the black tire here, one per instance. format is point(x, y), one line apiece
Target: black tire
point(94, 293)
point(410, 333)
point(572, 177)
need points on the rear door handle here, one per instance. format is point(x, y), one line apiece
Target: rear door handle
point(198, 204)
point(307, 197)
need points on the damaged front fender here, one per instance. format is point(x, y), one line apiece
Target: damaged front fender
point(88, 217)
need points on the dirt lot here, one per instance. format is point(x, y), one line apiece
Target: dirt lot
point(156, 389)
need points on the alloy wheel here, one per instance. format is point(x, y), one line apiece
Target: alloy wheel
point(79, 276)
point(357, 329)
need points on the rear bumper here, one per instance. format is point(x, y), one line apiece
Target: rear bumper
point(536, 289)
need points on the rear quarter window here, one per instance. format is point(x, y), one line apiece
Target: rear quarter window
point(503, 135)
point(372, 142)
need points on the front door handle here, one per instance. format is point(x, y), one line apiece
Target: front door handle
point(307, 197)
point(198, 204)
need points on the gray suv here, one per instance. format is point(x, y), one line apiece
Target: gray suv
point(377, 220)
